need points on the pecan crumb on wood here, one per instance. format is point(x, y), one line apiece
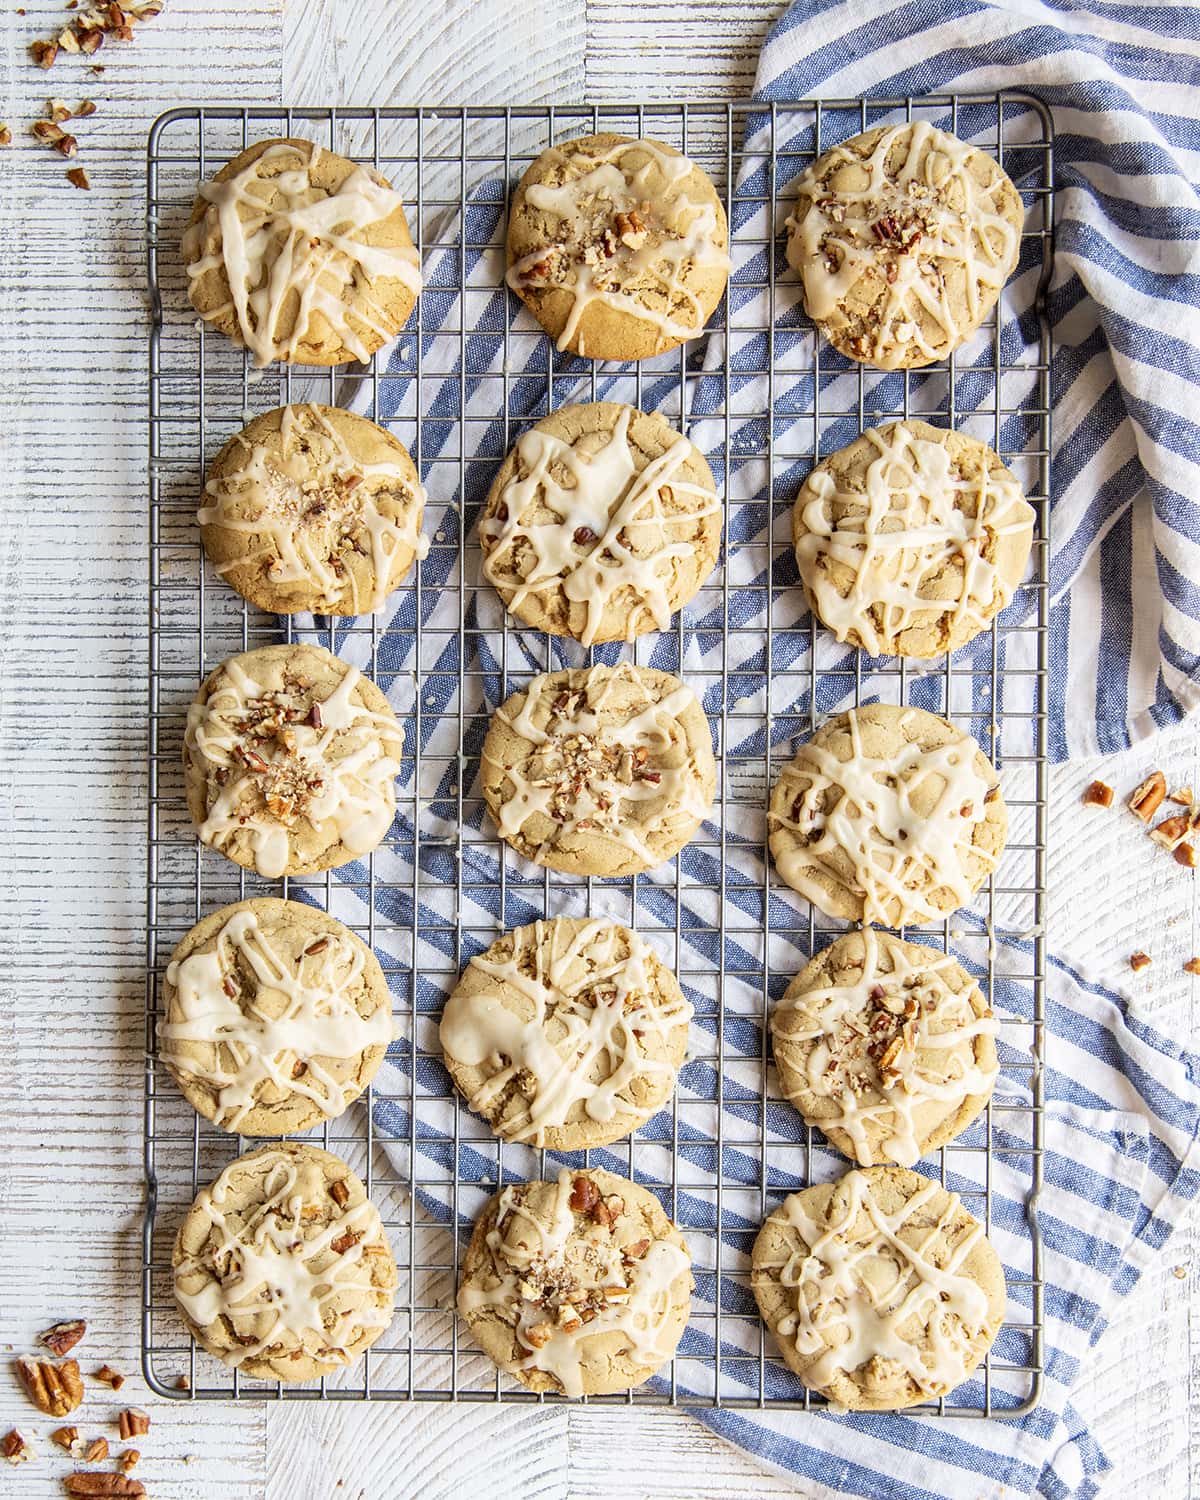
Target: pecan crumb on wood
point(96, 1451)
point(65, 1437)
point(1139, 961)
point(1146, 798)
point(1185, 855)
point(1192, 966)
point(15, 1447)
point(109, 1376)
point(133, 1422)
point(1097, 794)
point(61, 1338)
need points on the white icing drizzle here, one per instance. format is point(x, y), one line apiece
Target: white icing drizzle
point(911, 231)
point(610, 780)
point(302, 1012)
point(283, 238)
point(631, 1296)
point(901, 857)
point(307, 500)
point(592, 1004)
point(264, 1260)
point(917, 516)
point(871, 1294)
point(900, 1037)
point(638, 236)
point(613, 537)
point(275, 779)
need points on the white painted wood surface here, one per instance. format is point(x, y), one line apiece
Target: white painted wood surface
point(72, 732)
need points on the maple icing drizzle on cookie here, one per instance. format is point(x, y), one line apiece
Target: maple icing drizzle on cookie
point(568, 1280)
point(589, 775)
point(267, 752)
point(263, 1265)
point(900, 1037)
point(917, 518)
point(309, 497)
point(873, 1295)
point(594, 1001)
point(621, 240)
point(283, 240)
point(901, 857)
point(612, 538)
point(910, 230)
point(274, 1034)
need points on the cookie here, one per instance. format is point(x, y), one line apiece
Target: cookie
point(313, 508)
point(282, 1266)
point(300, 255)
point(275, 1017)
point(601, 523)
point(618, 247)
point(904, 238)
point(887, 815)
point(580, 1286)
point(910, 539)
point(289, 761)
point(881, 1289)
point(886, 1046)
point(566, 1033)
point(599, 770)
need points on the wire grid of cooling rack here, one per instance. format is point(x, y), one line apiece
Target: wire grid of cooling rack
point(201, 390)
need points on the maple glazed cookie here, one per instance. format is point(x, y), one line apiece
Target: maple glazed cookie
point(313, 508)
point(887, 815)
point(618, 247)
point(566, 1033)
point(911, 539)
point(282, 1266)
point(275, 1017)
point(904, 238)
point(289, 761)
point(580, 1286)
point(301, 255)
point(601, 523)
point(888, 1047)
point(881, 1289)
point(599, 770)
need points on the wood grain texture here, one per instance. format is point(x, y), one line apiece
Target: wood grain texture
point(72, 732)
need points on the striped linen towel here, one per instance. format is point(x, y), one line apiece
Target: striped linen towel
point(1121, 1159)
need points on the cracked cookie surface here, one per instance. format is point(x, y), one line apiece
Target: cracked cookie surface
point(881, 1289)
point(282, 1267)
point(566, 1034)
point(275, 1017)
point(313, 508)
point(911, 539)
point(619, 247)
point(599, 770)
point(581, 1285)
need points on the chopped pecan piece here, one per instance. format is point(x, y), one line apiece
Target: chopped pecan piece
point(65, 1437)
point(129, 1459)
point(345, 1242)
point(1182, 795)
point(1139, 961)
point(1185, 855)
point(1192, 966)
point(133, 1422)
point(1146, 798)
point(1171, 831)
point(635, 1251)
point(109, 1376)
point(14, 1446)
point(1097, 794)
point(584, 1195)
point(100, 1484)
point(77, 177)
point(62, 1337)
point(43, 53)
point(96, 1451)
point(540, 1334)
point(55, 1389)
point(339, 1192)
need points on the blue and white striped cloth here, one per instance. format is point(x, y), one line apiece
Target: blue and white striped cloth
point(1121, 1159)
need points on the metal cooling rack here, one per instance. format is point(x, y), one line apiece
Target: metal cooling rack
point(201, 390)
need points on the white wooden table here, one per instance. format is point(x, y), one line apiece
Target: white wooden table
point(72, 739)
